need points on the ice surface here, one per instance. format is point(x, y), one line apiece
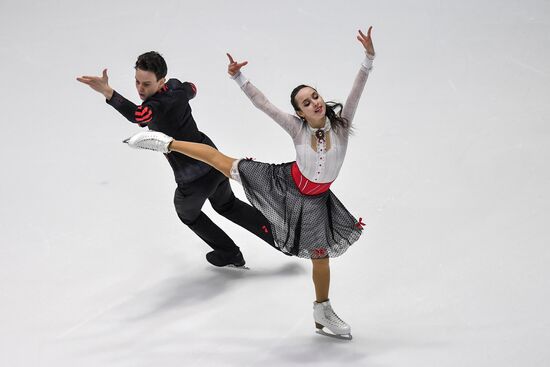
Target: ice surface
point(448, 167)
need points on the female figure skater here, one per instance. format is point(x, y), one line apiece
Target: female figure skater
point(306, 218)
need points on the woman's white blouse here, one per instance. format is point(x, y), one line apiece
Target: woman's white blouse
point(317, 165)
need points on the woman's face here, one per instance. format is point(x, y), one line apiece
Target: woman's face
point(312, 106)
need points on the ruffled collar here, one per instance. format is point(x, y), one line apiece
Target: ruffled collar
point(320, 133)
point(325, 128)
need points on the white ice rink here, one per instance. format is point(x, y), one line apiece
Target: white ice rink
point(448, 167)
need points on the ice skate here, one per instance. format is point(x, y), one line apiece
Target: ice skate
point(152, 140)
point(326, 318)
point(224, 260)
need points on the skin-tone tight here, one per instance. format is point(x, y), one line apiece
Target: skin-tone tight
point(223, 163)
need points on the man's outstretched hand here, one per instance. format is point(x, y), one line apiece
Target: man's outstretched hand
point(98, 83)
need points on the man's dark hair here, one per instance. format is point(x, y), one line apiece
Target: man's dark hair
point(154, 62)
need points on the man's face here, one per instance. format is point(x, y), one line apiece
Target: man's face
point(147, 83)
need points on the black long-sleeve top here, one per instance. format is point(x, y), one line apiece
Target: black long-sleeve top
point(169, 112)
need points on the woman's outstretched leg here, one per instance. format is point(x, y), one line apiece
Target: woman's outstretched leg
point(204, 153)
point(157, 141)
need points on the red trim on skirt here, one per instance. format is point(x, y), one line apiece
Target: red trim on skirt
point(305, 186)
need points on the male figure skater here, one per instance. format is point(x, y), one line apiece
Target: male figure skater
point(165, 108)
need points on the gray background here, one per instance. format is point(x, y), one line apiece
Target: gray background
point(448, 168)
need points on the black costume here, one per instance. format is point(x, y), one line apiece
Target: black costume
point(168, 111)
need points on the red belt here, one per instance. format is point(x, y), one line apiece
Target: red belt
point(305, 186)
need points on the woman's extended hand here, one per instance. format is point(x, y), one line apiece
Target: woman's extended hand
point(366, 40)
point(234, 67)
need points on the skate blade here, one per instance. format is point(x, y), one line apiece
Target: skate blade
point(126, 140)
point(234, 267)
point(335, 336)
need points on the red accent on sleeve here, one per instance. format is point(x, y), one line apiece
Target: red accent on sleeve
point(143, 114)
point(145, 118)
point(193, 87)
point(141, 111)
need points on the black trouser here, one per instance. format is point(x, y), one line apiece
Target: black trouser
point(214, 186)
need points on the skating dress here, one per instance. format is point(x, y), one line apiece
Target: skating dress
point(307, 220)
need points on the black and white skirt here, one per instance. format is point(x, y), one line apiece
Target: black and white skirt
point(306, 226)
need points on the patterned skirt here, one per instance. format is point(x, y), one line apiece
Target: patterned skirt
point(307, 226)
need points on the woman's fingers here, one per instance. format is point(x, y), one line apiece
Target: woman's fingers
point(231, 61)
point(367, 36)
point(366, 40)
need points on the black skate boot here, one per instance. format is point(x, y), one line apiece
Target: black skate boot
point(225, 259)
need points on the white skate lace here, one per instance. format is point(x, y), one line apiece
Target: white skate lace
point(148, 141)
point(330, 315)
point(151, 144)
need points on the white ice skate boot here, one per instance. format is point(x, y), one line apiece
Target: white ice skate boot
point(325, 317)
point(152, 140)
